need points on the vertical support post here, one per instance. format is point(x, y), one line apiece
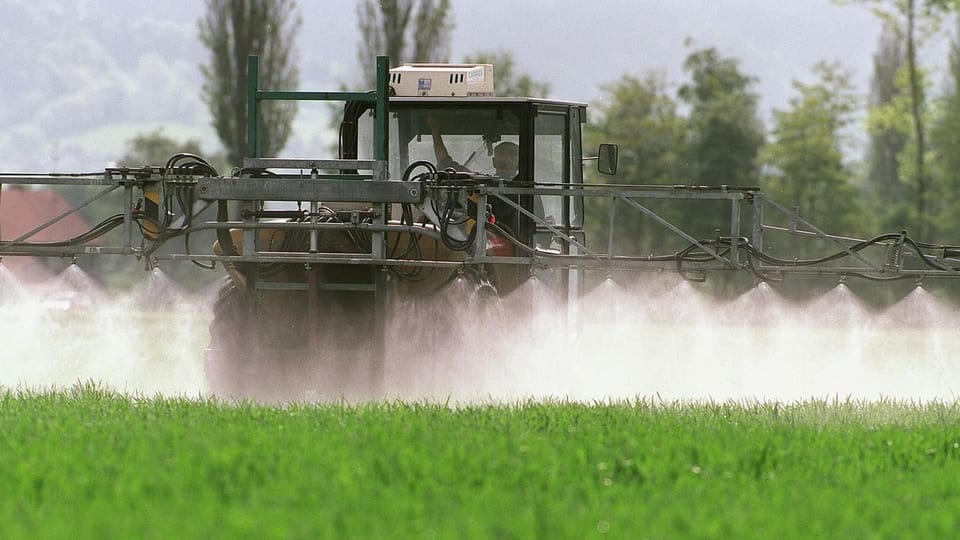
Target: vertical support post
point(253, 106)
point(250, 234)
point(480, 246)
point(127, 210)
point(734, 232)
point(381, 151)
point(314, 209)
point(757, 239)
point(381, 147)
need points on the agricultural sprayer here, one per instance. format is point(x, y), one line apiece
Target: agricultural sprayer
point(436, 180)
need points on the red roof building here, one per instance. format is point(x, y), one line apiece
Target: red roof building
point(24, 209)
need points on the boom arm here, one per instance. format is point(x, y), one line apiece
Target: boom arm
point(161, 203)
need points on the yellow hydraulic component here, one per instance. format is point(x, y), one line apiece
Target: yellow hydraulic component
point(151, 207)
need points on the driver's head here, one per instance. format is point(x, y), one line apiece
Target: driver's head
point(506, 158)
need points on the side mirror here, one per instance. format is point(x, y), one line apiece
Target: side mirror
point(607, 158)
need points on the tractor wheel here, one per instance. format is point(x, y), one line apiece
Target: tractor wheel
point(244, 359)
point(228, 357)
point(259, 349)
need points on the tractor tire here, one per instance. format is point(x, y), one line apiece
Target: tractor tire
point(244, 361)
point(227, 358)
point(259, 351)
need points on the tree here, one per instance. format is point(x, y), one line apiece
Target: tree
point(945, 149)
point(914, 21)
point(640, 115)
point(155, 148)
point(887, 140)
point(508, 81)
point(233, 30)
point(725, 132)
point(385, 28)
point(805, 156)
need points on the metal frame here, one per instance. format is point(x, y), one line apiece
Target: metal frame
point(741, 202)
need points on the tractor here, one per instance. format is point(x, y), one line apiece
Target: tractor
point(327, 270)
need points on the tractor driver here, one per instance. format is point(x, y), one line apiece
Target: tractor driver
point(506, 163)
point(506, 155)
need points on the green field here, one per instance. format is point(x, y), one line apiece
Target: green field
point(89, 463)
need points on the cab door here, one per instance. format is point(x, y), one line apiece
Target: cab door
point(557, 164)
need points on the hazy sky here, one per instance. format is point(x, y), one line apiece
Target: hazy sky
point(82, 77)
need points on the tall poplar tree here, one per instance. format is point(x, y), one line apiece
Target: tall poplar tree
point(887, 139)
point(405, 30)
point(945, 146)
point(912, 22)
point(232, 30)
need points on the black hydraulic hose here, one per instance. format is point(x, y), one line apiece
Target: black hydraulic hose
point(445, 221)
point(194, 163)
point(420, 163)
point(930, 262)
point(859, 246)
point(685, 254)
point(97, 231)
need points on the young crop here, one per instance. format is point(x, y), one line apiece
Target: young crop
point(88, 462)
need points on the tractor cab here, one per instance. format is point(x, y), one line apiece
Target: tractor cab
point(447, 115)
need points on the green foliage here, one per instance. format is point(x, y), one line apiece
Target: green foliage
point(88, 463)
point(805, 159)
point(899, 188)
point(386, 28)
point(155, 148)
point(945, 142)
point(725, 132)
point(232, 30)
point(640, 115)
point(509, 81)
point(716, 144)
point(913, 22)
point(886, 143)
point(724, 137)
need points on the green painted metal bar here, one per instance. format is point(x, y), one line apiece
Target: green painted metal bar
point(380, 98)
point(253, 106)
point(382, 140)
